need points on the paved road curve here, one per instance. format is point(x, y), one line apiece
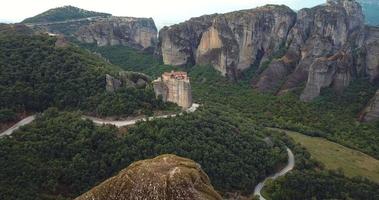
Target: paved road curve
point(29, 119)
point(193, 108)
point(289, 167)
point(23, 122)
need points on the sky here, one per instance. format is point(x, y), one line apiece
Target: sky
point(164, 12)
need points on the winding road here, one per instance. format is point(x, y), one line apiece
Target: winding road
point(23, 122)
point(193, 108)
point(285, 170)
point(129, 122)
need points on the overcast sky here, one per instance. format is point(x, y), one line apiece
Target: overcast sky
point(163, 11)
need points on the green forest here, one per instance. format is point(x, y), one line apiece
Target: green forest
point(62, 14)
point(332, 116)
point(60, 155)
point(36, 74)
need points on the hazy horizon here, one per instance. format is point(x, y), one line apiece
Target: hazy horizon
point(164, 12)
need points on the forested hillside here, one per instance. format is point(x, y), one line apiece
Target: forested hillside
point(62, 14)
point(35, 74)
point(60, 155)
point(332, 115)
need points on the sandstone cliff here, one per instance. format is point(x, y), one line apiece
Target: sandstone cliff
point(371, 112)
point(98, 28)
point(136, 32)
point(231, 42)
point(165, 177)
point(324, 46)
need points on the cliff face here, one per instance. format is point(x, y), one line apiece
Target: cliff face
point(324, 46)
point(371, 53)
point(99, 28)
point(231, 42)
point(371, 112)
point(137, 32)
point(178, 43)
point(165, 177)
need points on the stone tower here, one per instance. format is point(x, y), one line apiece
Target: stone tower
point(174, 87)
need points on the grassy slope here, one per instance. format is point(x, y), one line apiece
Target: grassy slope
point(335, 156)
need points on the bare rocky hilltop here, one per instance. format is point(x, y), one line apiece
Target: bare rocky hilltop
point(324, 46)
point(165, 177)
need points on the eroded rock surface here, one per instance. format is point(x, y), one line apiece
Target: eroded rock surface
point(165, 177)
point(231, 42)
point(321, 46)
point(126, 79)
point(324, 46)
point(137, 32)
point(371, 112)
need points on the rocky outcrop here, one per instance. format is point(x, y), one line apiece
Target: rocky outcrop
point(371, 112)
point(137, 32)
point(111, 84)
point(166, 177)
point(126, 79)
point(328, 47)
point(321, 46)
point(98, 28)
point(371, 53)
point(230, 42)
point(177, 44)
point(174, 87)
point(324, 46)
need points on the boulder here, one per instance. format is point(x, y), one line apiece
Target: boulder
point(112, 84)
point(166, 177)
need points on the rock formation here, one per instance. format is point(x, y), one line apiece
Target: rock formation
point(230, 42)
point(166, 177)
point(371, 112)
point(174, 87)
point(100, 28)
point(112, 84)
point(324, 46)
point(140, 33)
point(126, 79)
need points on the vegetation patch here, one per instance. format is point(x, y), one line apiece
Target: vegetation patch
point(337, 157)
point(61, 155)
